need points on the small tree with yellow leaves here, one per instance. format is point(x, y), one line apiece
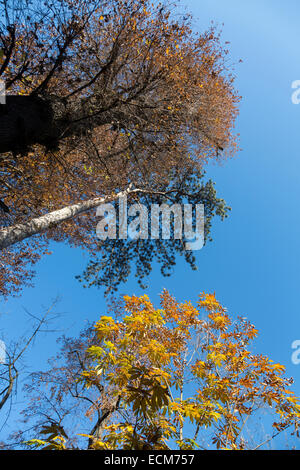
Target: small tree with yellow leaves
point(175, 377)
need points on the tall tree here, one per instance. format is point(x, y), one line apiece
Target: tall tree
point(103, 95)
point(175, 377)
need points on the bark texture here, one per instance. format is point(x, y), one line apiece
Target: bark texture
point(19, 232)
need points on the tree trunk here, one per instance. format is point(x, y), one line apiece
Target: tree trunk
point(27, 120)
point(19, 232)
point(97, 431)
point(45, 120)
point(11, 380)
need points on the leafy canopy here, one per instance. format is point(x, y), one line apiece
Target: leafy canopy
point(175, 377)
point(116, 92)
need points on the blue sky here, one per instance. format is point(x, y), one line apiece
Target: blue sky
point(253, 262)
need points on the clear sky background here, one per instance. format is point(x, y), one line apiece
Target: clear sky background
point(253, 262)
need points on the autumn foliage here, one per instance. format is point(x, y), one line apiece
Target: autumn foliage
point(117, 92)
point(174, 377)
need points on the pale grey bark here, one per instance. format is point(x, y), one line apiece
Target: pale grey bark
point(19, 232)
